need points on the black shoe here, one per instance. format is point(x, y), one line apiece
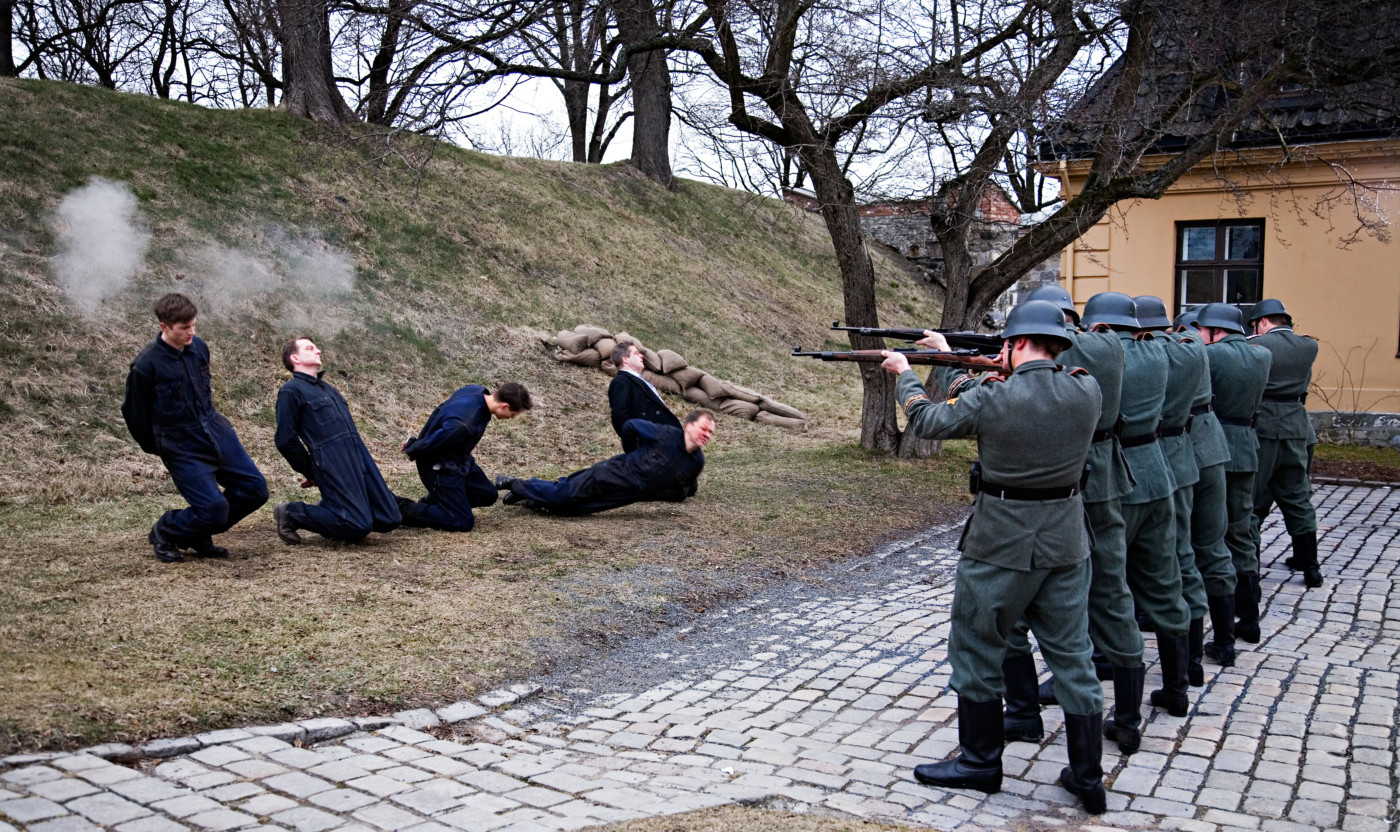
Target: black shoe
point(1195, 644)
point(166, 552)
point(1125, 727)
point(1248, 631)
point(1083, 777)
point(286, 529)
point(1221, 654)
point(503, 482)
point(1021, 722)
point(1172, 696)
point(1312, 578)
point(207, 548)
point(978, 764)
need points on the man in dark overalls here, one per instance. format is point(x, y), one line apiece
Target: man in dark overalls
point(1286, 436)
point(665, 465)
point(443, 452)
point(630, 396)
point(1239, 372)
point(317, 435)
point(170, 413)
point(1025, 550)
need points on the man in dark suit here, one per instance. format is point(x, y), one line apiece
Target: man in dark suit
point(632, 397)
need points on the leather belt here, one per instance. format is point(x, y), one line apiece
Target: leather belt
point(1236, 421)
point(1202, 409)
point(1003, 492)
point(1139, 439)
point(1174, 430)
point(1103, 435)
point(1303, 399)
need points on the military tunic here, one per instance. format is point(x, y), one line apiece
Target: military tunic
point(1023, 559)
point(1208, 518)
point(1285, 433)
point(1154, 574)
point(318, 438)
point(1186, 370)
point(1238, 373)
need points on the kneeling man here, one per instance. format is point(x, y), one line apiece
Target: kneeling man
point(317, 435)
point(665, 465)
point(443, 451)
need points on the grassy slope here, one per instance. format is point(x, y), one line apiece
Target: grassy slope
point(463, 262)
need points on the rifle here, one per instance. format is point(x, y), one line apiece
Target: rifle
point(984, 344)
point(965, 359)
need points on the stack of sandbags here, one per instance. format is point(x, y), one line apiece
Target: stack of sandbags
point(592, 346)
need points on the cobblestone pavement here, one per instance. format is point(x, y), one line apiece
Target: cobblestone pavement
point(833, 701)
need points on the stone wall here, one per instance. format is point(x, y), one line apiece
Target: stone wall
point(1378, 430)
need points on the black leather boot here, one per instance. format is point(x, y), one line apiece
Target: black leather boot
point(1083, 777)
point(1022, 721)
point(1305, 559)
point(978, 765)
point(1172, 696)
point(1125, 727)
point(1221, 649)
point(1247, 607)
point(1045, 694)
point(1103, 668)
point(1195, 644)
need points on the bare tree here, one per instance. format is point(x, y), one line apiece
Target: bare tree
point(311, 90)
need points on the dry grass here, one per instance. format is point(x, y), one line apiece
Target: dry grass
point(460, 269)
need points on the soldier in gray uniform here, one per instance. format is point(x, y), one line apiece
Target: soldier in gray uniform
point(1208, 516)
point(1238, 372)
point(1286, 436)
point(1185, 371)
point(1026, 546)
point(1154, 576)
point(1111, 627)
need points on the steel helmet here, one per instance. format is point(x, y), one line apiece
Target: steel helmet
point(1187, 318)
point(1054, 293)
point(1112, 308)
point(1151, 312)
point(1266, 307)
point(1221, 316)
point(1036, 317)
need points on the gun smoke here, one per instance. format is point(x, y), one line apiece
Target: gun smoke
point(101, 242)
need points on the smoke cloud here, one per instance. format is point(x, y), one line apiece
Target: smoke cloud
point(101, 242)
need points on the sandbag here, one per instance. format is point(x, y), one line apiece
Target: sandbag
point(739, 391)
point(608, 368)
point(605, 346)
point(593, 332)
point(571, 342)
point(687, 376)
point(671, 361)
point(780, 409)
point(696, 396)
point(586, 358)
point(738, 407)
point(766, 418)
point(622, 336)
point(651, 361)
point(713, 387)
point(665, 384)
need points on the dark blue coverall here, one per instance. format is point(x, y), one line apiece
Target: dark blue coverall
point(318, 437)
point(659, 468)
point(170, 414)
point(443, 451)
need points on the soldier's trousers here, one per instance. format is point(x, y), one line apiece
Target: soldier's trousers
point(198, 473)
point(1239, 512)
point(988, 600)
point(1283, 478)
point(453, 491)
point(1154, 574)
point(1112, 628)
point(1193, 589)
point(1208, 523)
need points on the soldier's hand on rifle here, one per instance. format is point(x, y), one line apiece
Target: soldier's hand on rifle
point(934, 341)
point(895, 362)
point(308, 483)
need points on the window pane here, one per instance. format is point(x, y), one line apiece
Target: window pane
point(1198, 244)
point(1198, 286)
point(1242, 242)
point(1242, 285)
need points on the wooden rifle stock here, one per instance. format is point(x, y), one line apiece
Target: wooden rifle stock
point(967, 359)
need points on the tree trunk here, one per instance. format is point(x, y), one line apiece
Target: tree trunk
point(911, 446)
point(576, 109)
point(377, 102)
point(310, 90)
point(651, 91)
point(878, 429)
point(7, 35)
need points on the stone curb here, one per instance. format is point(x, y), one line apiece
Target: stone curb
point(1351, 483)
point(318, 729)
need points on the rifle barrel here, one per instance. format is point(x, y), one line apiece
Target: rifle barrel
point(981, 342)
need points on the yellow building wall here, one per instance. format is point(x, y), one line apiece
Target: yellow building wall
point(1345, 295)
